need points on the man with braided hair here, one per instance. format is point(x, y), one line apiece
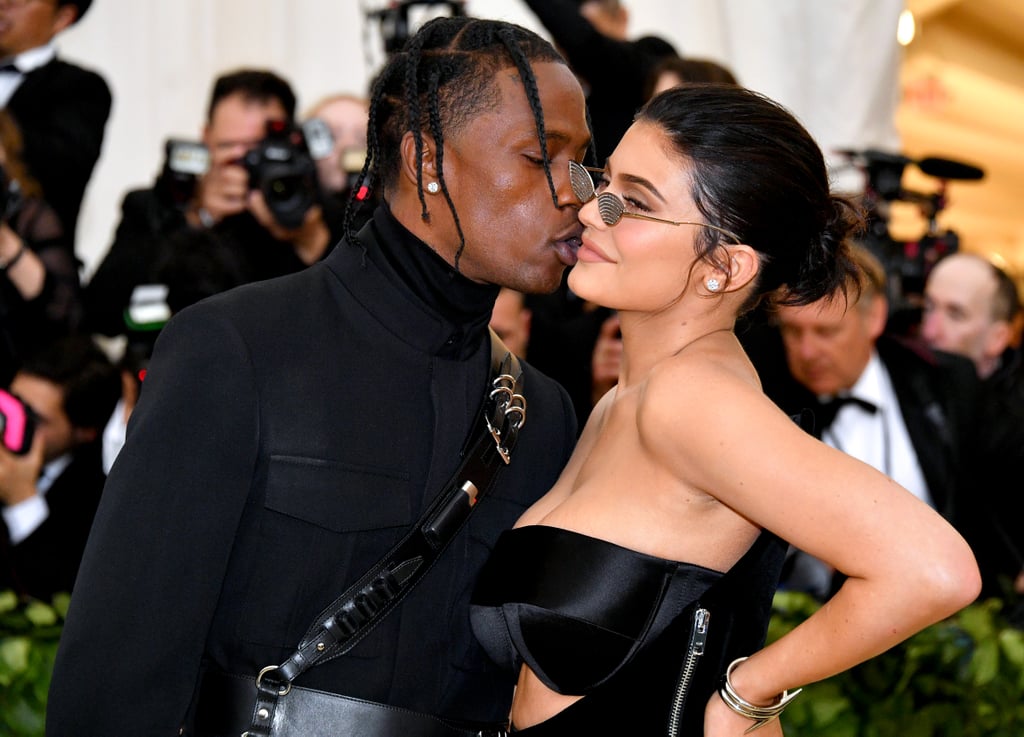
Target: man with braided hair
point(290, 432)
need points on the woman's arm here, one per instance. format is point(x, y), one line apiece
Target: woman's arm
point(907, 567)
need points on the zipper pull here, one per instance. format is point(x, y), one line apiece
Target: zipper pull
point(699, 633)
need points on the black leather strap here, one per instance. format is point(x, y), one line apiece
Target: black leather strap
point(341, 625)
point(226, 701)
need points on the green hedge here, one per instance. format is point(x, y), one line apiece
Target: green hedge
point(963, 677)
point(29, 631)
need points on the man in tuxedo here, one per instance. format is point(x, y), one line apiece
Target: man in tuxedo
point(49, 495)
point(61, 108)
point(907, 411)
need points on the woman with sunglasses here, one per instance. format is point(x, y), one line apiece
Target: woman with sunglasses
point(634, 597)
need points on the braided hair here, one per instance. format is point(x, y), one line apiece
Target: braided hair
point(438, 83)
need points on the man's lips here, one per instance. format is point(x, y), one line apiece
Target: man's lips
point(567, 246)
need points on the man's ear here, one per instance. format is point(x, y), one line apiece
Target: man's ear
point(877, 313)
point(410, 166)
point(63, 17)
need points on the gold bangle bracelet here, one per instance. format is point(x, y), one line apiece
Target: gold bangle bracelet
point(760, 714)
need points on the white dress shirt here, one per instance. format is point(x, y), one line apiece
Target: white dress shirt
point(26, 61)
point(23, 518)
point(879, 439)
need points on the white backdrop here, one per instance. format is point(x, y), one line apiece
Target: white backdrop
point(833, 63)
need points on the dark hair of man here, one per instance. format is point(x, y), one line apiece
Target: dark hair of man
point(81, 7)
point(89, 380)
point(256, 85)
point(442, 79)
point(757, 173)
point(1006, 300)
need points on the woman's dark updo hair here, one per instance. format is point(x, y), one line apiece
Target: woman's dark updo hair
point(443, 78)
point(758, 173)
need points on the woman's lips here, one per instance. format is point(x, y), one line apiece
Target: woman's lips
point(591, 253)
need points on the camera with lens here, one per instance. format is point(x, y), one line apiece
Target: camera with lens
point(282, 168)
point(907, 263)
point(397, 25)
point(17, 423)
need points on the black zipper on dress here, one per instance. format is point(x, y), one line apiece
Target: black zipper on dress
point(698, 638)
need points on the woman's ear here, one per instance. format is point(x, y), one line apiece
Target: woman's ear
point(410, 166)
point(743, 267)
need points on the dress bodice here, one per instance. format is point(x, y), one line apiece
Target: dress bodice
point(619, 627)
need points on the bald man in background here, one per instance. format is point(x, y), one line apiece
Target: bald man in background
point(972, 307)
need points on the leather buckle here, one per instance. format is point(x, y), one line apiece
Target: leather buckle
point(506, 416)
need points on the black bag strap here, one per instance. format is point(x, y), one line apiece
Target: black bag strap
point(348, 619)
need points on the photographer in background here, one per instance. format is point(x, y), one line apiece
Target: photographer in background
point(249, 112)
point(346, 116)
point(50, 489)
point(40, 296)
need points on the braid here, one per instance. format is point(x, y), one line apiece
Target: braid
point(372, 155)
point(533, 96)
point(414, 52)
point(438, 134)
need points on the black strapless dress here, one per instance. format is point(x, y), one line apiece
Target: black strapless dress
point(643, 640)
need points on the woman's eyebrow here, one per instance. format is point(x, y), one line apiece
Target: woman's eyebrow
point(634, 179)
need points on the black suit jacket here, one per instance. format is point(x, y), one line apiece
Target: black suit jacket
point(62, 111)
point(288, 433)
point(46, 562)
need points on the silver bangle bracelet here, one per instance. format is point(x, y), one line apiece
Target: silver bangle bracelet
point(760, 714)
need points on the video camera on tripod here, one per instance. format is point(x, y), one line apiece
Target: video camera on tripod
point(396, 26)
point(907, 262)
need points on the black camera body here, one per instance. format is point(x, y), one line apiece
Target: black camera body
point(282, 169)
point(281, 166)
point(397, 27)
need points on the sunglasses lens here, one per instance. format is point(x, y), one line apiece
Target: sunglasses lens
point(581, 183)
point(610, 208)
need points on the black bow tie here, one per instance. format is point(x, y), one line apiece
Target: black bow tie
point(9, 66)
point(826, 411)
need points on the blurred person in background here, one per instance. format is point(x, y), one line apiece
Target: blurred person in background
point(158, 223)
point(50, 494)
point(909, 412)
point(510, 319)
point(593, 35)
point(40, 296)
point(972, 307)
point(61, 108)
point(673, 71)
